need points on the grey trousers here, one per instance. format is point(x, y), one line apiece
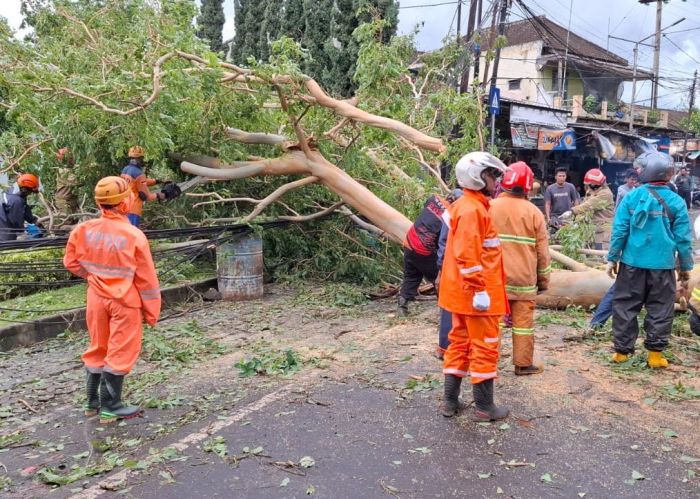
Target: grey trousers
point(653, 289)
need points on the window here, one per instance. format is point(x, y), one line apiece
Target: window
point(514, 84)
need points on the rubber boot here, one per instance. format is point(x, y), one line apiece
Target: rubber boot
point(112, 408)
point(450, 402)
point(92, 385)
point(402, 309)
point(618, 358)
point(656, 360)
point(485, 409)
point(525, 371)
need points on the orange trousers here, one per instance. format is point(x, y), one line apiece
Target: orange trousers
point(474, 347)
point(115, 335)
point(523, 316)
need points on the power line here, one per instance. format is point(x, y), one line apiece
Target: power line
point(686, 53)
point(426, 5)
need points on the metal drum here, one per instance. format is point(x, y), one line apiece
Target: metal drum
point(239, 268)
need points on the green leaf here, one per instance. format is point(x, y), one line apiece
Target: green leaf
point(668, 433)
point(284, 482)
point(504, 426)
point(307, 462)
point(81, 455)
point(310, 490)
point(546, 478)
point(484, 475)
point(689, 459)
point(636, 475)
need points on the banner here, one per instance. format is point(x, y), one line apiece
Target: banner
point(523, 136)
point(556, 140)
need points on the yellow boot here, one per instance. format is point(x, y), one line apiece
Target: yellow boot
point(656, 360)
point(618, 358)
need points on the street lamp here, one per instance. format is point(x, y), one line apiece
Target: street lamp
point(634, 66)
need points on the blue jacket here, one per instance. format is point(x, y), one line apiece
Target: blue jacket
point(14, 211)
point(643, 236)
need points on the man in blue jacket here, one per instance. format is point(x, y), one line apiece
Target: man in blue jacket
point(651, 228)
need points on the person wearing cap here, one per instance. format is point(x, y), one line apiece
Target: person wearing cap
point(123, 291)
point(650, 233)
point(420, 249)
point(598, 204)
point(472, 287)
point(14, 209)
point(140, 183)
point(522, 231)
point(66, 196)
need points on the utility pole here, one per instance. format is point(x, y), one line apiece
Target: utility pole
point(459, 41)
point(690, 114)
point(494, 74)
point(464, 78)
point(657, 50)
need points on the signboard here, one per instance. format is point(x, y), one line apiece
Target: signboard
point(523, 136)
point(494, 101)
point(550, 118)
point(556, 140)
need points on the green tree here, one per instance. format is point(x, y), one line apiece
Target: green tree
point(270, 28)
point(210, 23)
point(318, 16)
point(240, 8)
point(293, 22)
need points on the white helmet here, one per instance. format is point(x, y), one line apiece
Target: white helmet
point(470, 167)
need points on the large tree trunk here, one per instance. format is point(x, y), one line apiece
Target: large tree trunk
point(567, 288)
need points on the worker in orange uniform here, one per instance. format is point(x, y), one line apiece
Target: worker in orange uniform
point(123, 291)
point(139, 183)
point(522, 231)
point(472, 287)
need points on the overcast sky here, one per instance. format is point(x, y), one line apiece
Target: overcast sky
point(591, 19)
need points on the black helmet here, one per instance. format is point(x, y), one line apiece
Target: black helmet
point(654, 166)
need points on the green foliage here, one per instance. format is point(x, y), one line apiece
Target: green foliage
point(576, 235)
point(211, 23)
point(590, 104)
point(270, 361)
point(217, 445)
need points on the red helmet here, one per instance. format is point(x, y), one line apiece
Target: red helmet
point(29, 181)
point(594, 177)
point(518, 177)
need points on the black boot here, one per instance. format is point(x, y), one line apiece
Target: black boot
point(451, 403)
point(92, 385)
point(485, 409)
point(402, 309)
point(112, 408)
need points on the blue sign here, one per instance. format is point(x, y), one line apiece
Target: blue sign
point(495, 101)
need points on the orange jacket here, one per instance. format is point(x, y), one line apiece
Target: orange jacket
point(521, 229)
point(139, 184)
point(473, 258)
point(115, 258)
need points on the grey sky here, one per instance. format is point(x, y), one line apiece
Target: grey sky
point(591, 19)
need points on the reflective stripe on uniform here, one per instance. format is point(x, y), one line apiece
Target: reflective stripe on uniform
point(511, 238)
point(446, 217)
point(491, 340)
point(696, 294)
point(491, 243)
point(546, 270)
point(150, 294)
point(524, 331)
point(490, 375)
point(471, 270)
point(106, 270)
point(456, 372)
point(521, 289)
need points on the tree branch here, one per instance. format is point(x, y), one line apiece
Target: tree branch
point(244, 137)
point(25, 153)
point(313, 216)
point(276, 194)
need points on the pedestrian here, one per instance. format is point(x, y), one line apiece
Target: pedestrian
point(123, 291)
point(66, 195)
point(631, 180)
point(684, 186)
point(536, 196)
point(420, 250)
point(598, 205)
point(650, 230)
point(559, 197)
point(472, 287)
point(14, 209)
point(522, 231)
point(140, 183)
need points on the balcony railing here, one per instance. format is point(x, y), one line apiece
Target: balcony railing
point(644, 117)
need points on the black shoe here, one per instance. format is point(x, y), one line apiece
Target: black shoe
point(112, 408)
point(525, 371)
point(402, 308)
point(450, 402)
point(485, 409)
point(92, 385)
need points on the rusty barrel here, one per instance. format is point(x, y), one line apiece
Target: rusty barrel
point(239, 268)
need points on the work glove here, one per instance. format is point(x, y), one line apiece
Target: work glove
point(566, 215)
point(481, 301)
point(170, 191)
point(611, 269)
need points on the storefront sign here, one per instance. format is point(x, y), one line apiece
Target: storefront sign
point(556, 140)
point(551, 118)
point(523, 136)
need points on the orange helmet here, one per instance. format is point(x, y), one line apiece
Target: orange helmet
point(136, 152)
point(518, 177)
point(63, 155)
point(111, 190)
point(29, 181)
point(594, 177)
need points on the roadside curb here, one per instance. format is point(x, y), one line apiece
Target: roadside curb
point(31, 332)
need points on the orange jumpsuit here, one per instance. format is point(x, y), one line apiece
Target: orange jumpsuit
point(139, 184)
point(123, 289)
point(472, 263)
point(523, 234)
